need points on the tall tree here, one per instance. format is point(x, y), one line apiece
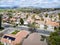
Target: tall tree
point(32, 27)
point(21, 21)
point(0, 20)
point(59, 15)
point(10, 16)
point(46, 15)
point(59, 19)
point(54, 38)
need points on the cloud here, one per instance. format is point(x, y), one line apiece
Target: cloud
point(34, 3)
point(7, 3)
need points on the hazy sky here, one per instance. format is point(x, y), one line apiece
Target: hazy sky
point(34, 3)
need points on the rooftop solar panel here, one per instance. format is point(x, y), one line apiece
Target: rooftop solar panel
point(11, 38)
point(5, 37)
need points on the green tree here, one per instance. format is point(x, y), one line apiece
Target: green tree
point(10, 16)
point(42, 38)
point(54, 38)
point(42, 19)
point(33, 17)
point(21, 21)
point(0, 20)
point(46, 15)
point(32, 27)
point(26, 16)
point(59, 19)
point(56, 28)
point(59, 15)
point(45, 26)
point(1, 43)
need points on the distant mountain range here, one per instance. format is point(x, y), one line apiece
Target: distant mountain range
point(9, 7)
point(14, 7)
point(30, 8)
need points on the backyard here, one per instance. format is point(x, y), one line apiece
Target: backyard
point(15, 32)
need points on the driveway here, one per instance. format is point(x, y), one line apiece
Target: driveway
point(34, 39)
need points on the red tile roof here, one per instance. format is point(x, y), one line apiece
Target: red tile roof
point(18, 37)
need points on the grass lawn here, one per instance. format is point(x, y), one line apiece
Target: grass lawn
point(0, 29)
point(15, 32)
point(1, 43)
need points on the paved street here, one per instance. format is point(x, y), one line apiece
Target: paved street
point(11, 29)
